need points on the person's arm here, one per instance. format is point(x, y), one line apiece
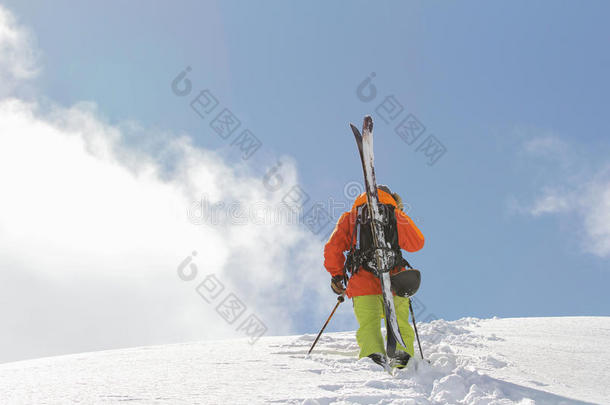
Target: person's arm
point(338, 243)
point(410, 237)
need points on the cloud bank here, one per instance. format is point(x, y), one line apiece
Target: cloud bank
point(93, 229)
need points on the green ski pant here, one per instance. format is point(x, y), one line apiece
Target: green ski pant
point(369, 311)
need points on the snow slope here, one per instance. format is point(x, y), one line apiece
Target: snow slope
point(493, 361)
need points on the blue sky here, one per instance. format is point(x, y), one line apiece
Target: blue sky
point(516, 92)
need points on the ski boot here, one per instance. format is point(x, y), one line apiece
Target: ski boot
point(401, 360)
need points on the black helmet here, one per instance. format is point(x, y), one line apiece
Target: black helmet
point(406, 283)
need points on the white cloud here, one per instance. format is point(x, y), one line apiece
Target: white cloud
point(546, 145)
point(550, 203)
point(93, 228)
point(573, 187)
point(18, 58)
point(596, 212)
point(109, 233)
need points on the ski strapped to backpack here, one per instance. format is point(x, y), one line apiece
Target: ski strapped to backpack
point(362, 251)
point(383, 260)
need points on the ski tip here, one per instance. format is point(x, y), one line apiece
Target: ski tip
point(355, 130)
point(368, 123)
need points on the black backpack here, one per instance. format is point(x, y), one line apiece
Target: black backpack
point(362, 251)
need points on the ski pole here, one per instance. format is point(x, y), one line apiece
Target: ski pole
point(340, 299)
point(415, 327)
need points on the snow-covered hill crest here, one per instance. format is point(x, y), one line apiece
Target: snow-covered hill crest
point(472, 361)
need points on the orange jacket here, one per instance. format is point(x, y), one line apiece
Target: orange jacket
point(364, 282)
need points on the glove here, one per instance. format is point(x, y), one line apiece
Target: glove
point(336, 283)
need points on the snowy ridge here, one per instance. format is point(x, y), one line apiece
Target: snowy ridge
point(460, 371)
point(495, 361)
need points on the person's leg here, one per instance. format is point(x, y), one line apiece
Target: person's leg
point(368, 310)
point(402, 315)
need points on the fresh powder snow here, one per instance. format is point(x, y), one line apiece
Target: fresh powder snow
point(472, 361)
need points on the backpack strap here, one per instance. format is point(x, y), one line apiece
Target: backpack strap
point(354, 257)
point(357, 257)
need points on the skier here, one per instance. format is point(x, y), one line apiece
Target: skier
point(359, 273)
